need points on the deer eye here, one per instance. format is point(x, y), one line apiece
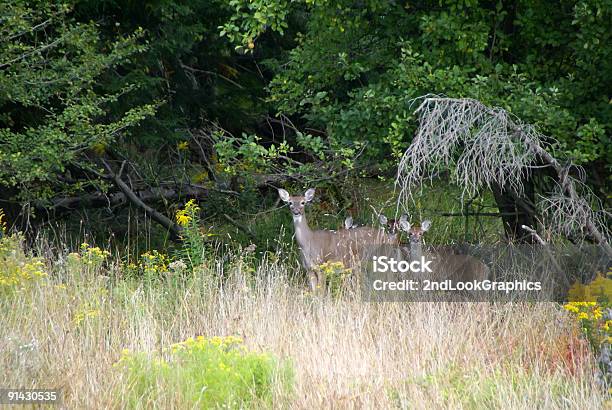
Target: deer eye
point(301, 202)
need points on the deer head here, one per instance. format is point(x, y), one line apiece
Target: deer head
point(296, 203)
point(348, 223)
point(392, 226)
point(446, 264)
point(415, 232)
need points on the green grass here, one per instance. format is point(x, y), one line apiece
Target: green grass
point(202, 373)
point(70, 330)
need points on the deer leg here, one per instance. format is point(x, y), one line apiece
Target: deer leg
point(312, 280)
point(316, 280)
point(321, 281)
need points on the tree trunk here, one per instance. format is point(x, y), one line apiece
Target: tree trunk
point(516, 211)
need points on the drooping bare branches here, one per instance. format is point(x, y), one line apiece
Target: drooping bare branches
point(573, 217)
point(473, 139)
point(487, 147)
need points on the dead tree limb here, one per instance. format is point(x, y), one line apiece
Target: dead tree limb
point(132, 197)
point(243, 228)
point(568, 186)
point(488, 147)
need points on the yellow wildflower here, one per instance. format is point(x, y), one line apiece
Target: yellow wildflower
point(84, 314)
point(182, 219)
point(2, 222)
point(571, 307)
point(597, 313)
point(19, 270)
point(186, 215)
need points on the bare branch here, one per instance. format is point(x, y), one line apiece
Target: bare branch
point(486, 147)
point(243, 228)
point(132, 197)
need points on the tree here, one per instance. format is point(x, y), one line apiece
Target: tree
point(358, 67)
point(54, 117)
point(79, 95)
point(486, 147)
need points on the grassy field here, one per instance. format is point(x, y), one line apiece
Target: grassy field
point(72, 318)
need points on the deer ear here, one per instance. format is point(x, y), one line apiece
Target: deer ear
point(382, 219)
point(284, 195)
point(309, 194)
point(405, 226)
point(348, 222)
point(404, 217)
point(425, 225)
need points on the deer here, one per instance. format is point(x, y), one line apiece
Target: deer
point(320, 246)
point(445, 263)
point(349, 224)
point(392, 226)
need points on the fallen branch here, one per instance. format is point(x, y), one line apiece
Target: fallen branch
point(239, 226)
point(119, 198)
point(170, 191)
point(132, 197)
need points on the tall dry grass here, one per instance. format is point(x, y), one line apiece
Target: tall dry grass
point(345, 353)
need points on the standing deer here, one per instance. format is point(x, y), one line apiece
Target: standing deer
point(319, 246)
point(446, 264)
point(392, 226)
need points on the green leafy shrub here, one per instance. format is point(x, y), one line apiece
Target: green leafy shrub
point(204, 373)
point(336, 277)
point(55, 112)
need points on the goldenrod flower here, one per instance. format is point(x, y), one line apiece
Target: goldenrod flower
point(185, 216)
point(583, 316)
point(182, 219)
point(597, 314)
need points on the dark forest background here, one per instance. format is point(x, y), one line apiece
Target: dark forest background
point(114, 113)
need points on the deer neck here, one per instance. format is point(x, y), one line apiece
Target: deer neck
point(392, 237)
point(416, 250)
point(303, 234)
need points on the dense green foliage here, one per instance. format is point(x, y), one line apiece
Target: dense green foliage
point(237, 95)
point(52, 109)
point(358, 66)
